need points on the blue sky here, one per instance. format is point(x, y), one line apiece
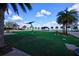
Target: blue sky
point(42, 13)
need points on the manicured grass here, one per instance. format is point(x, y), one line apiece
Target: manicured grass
point(42, 43)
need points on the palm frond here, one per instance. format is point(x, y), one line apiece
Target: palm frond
point(73, 12)
point(59, 20)
point(22, 6)
point(28, 6)
point(66, 10)
point(14, 6)
point(7, 9)
point(60, 13)
point(3, 6)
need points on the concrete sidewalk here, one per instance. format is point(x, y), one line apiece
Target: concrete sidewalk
point(16, 52)
point(76, 34)
point(9, 33)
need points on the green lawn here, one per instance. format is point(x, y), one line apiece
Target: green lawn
point(41, 43)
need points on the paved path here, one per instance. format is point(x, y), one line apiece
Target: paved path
point(9, 33)
point(74, 34)
point(16, 52)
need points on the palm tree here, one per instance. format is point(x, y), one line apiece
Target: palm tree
point(66, 18)
point(3, 8)
point(24, 27)
point(31, 23)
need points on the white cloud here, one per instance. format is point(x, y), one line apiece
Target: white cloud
point(16, 18)
point(74, 7)
point(9, 17)
point(52, 23)
point(43, 12)
point(10, 12)
point(39, 14)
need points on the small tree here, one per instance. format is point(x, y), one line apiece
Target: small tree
point(75, 28)
point(38, 28)
point(11, 26)
point(61, 27)
point(8, 26)
point(45, 28)
point(52, 28)
point(35, 28)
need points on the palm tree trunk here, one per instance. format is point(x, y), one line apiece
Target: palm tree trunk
point(31, 27)
point(66, 29)
point(4, 47)
point(63, 29)
point(1, 28)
